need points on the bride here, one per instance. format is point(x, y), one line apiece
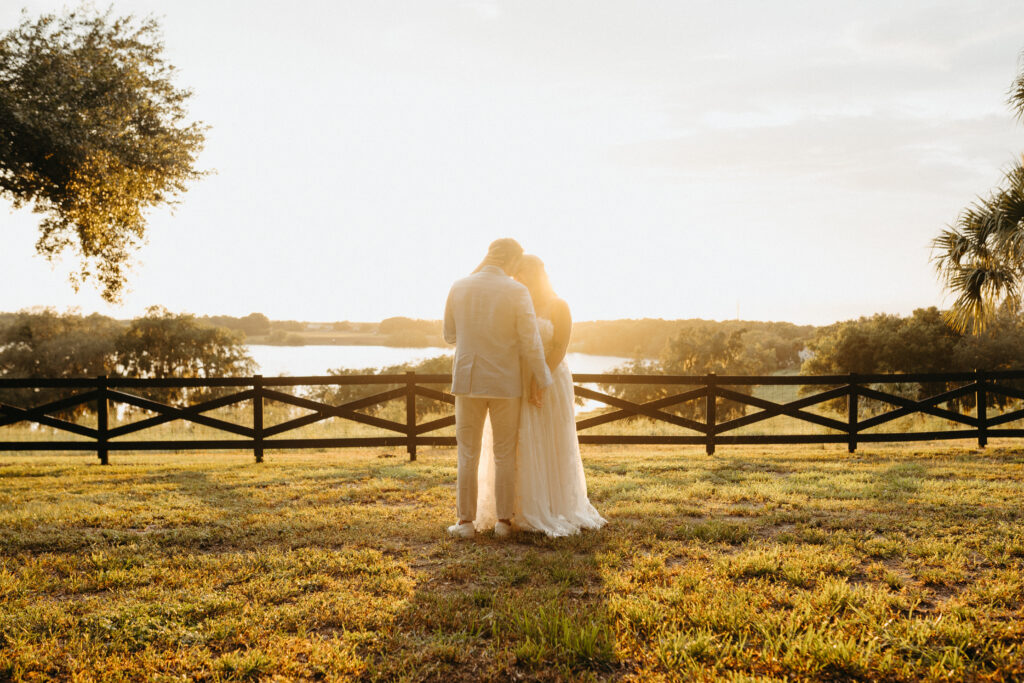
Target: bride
point(551, 487)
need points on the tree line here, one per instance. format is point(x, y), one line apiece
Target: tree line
point(396, 331)
point(923, 342)
point(647, 337)
point(45, 343)
point(701, 347)
point(643, 338)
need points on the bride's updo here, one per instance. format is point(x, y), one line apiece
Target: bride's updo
point(531, 272)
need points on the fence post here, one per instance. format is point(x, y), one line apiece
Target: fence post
point(979, 378)
point(102, 420)
point(709, 411)
point(257, 417)
point(851, 414)
point(410, 413)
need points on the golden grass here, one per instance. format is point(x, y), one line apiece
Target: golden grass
point(804, 563)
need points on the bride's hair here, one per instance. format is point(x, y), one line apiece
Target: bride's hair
point(531, 272)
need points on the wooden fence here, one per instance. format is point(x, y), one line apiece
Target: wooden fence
point(975, 390)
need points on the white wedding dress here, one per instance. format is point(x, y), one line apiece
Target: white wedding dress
point(551, 487)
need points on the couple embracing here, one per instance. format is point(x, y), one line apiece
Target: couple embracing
point(519, 462)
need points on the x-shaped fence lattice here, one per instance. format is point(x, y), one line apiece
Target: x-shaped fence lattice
point(974, 388)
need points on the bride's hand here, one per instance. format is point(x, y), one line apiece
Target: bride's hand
point(536, 393)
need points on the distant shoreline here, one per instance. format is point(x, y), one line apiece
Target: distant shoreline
point(643, 338)
point(371, 340)
point(375, 340)
point(346, 339)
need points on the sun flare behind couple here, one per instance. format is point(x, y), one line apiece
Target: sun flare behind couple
point(519, 463)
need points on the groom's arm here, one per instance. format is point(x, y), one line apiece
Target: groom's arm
point(530, 346)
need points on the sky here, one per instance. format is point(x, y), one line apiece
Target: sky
point(768, 161)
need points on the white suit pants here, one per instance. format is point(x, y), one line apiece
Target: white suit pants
point(470, 413)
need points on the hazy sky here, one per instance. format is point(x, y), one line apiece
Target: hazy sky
point(666, 159)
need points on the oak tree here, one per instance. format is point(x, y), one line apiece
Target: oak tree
point(93, 134)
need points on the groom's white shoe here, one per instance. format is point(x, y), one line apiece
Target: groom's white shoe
point(459, 530)
point(502, 529)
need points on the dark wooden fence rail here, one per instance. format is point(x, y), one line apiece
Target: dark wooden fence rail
point(99, 392)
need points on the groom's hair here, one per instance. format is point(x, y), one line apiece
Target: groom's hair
point(502, 252)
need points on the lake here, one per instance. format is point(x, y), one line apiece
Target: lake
point(319, 359)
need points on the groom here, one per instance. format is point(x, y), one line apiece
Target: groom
point(490, 319)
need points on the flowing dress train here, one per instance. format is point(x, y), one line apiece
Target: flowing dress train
point(551, 486)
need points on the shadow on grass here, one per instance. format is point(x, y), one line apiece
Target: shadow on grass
point(532, 608)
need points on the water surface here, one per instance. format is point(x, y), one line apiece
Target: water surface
point(320, 359)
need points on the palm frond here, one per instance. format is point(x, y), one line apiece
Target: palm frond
point(980, 257)
point(1016, 100)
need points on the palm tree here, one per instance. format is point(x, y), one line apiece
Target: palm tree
point(981, 256)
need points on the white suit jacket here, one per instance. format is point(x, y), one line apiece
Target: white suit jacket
point(490, 319)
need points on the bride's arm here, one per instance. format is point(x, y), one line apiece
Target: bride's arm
point(562, 321)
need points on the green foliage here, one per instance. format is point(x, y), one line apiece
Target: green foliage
point(647, 337)
point(345, 393)
point(93, 133)
point(644, 338)
point(999, 347)
point(287, 325)
point(1017, 96)
point(255, 323)
point(410, 332)
point(282, 338)
point(981, 257)
point(252, 324)
point(638, 393)
point(164, 344)
point(921, 342)
point(701, 348)
point(45, 343)
point(700, 351)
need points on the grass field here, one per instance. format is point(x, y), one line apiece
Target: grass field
point(755, 564)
